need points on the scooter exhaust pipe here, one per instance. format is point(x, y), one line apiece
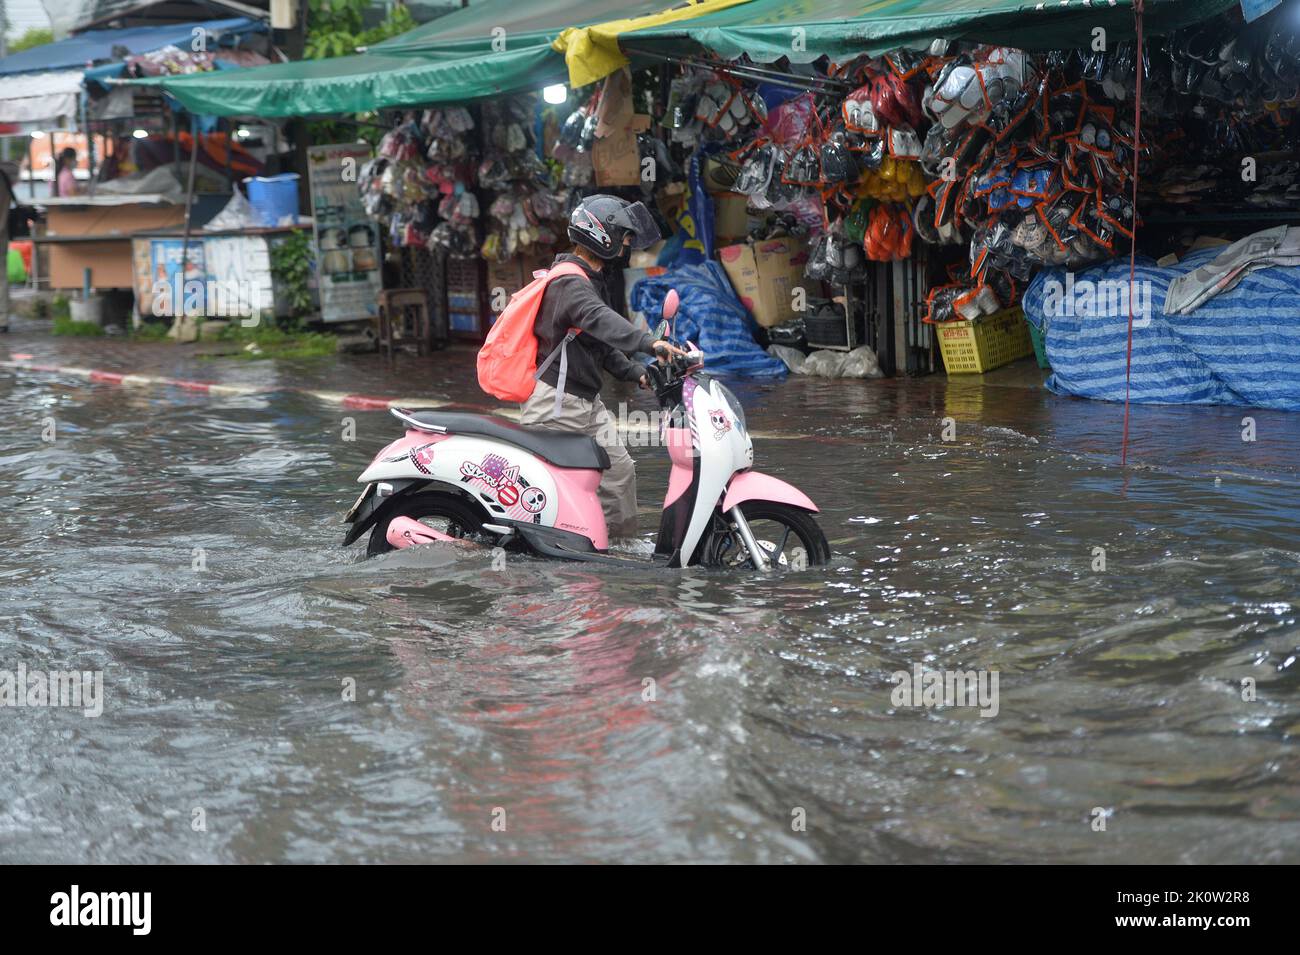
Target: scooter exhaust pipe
point(404, 532)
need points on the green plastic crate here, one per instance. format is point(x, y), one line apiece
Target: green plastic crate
point(1040, 344)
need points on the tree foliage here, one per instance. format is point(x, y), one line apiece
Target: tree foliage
point(337, 27)
point(33, 36)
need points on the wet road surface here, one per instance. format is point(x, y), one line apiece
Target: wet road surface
point(188, 547)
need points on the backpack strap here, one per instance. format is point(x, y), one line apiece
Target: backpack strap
point(564, 268)
point(563, 351)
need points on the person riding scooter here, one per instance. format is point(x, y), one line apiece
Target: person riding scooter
point(604, 230)
point(485, 480)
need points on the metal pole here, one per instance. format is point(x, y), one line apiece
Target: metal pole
point(189, 210)
point(230, 149)
point(814, 84)
point(756, 552)
point(90, 140)
point(176, 140)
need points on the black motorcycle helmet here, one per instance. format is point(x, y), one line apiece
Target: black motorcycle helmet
point(601, 224)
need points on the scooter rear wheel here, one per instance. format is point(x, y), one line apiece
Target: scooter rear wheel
point(790, 538)
point(444, 512)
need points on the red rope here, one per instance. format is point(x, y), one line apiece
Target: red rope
point(1132, 260)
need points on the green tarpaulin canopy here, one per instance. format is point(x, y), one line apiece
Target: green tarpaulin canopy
point(502, 46)
point(368, 81)
point(804, 30)
point(473, 26)
point(493, 47)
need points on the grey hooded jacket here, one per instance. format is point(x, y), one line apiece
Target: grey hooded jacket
point(607, 337)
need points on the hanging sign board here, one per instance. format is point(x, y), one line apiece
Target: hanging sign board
point(347, 242)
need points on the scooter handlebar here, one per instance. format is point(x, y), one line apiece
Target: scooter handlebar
point(667, 375)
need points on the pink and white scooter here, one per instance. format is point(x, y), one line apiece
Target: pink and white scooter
point(455, 476)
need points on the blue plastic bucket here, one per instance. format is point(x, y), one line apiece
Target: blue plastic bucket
point(274, 199)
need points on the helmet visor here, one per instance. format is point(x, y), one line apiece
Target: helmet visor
point(636, 218)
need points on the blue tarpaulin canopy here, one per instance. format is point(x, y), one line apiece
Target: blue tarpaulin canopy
point(96, 46)
point(44, 85)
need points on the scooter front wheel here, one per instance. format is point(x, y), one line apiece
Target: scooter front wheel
point(789, 537)
point(444, 512)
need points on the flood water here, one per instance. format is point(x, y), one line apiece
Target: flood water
point(188, 547)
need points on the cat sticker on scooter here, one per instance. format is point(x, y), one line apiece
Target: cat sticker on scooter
point(721, 424)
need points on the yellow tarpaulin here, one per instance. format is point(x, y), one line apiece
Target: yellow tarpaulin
point(592, 53)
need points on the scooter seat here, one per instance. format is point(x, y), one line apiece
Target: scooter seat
point(564, 449)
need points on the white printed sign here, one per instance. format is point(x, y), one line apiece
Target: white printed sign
point(347, 242)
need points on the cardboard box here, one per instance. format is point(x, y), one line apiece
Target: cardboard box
point(504, 275)
point(616, 159)
point(765, 275)
point(504, 279)
point(644, 258)
point(671, 200)
point(615, 156)
point(537, 261)
point(615, 107)
point(730, 217)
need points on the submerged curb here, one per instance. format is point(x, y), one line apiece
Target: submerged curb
point(354, 402)
point(20, 362)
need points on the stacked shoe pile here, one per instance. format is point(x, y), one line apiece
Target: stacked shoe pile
point(450, 170)
point(1182, 185)
point(524, 219)
point(1278, 187)
point(1249, 67)
point(836, 257)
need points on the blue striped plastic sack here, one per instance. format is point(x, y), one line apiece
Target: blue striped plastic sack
point(1241, 347)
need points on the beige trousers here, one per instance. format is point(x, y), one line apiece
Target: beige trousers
point(617, 489)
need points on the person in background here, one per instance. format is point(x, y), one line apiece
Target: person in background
point(65, 178)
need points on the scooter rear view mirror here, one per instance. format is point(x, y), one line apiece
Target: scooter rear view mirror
point(671, 302)
point(661, 330)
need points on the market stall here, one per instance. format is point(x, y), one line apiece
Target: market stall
point(896, 178)
point(496, 49)
point(486, 49)
point(136, 183)
point(1031, 154)
point(861, 198)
